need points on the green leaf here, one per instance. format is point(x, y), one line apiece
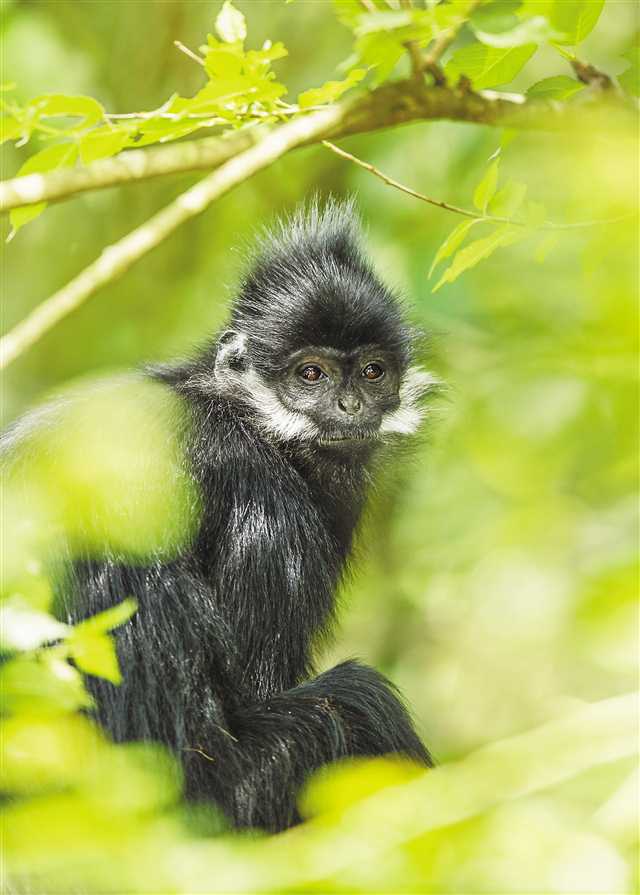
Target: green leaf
point(230, 23)
point(102, 142)
point(43, 684)
point(488, 66)
point(575, 19)
point(331, 91)
point(535, 30)
point(55, 105)
point(485, 190)
point(453, 241)
point(504, 235)
point(508, 200)
point(630, 79)
point(558, 87)
point(62, 155)
point(546, 245)
point(109, 619)
point(496, 17)
point(25, 628)
point(535, 214)
point(379, 51)
point(95, 654)
point(11, 128)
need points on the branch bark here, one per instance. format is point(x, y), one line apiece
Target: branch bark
point(117, 258)
point(387, 106)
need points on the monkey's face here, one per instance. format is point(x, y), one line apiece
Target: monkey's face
point(324, 396)
point(345, 395)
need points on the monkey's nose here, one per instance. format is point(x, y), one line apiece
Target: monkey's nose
point(350, 404)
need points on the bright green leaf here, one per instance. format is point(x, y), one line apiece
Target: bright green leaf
point(558, 87)
point(485, 190)
point(109, 619)
point(630, 79)
point(488, 66)
point(546, 245)
point(535, 214)
point(230, 23)
point(55, 105)
point(496, 17)
point(43, 684)
point(331, 91)
point(102, 142)
point(452, 242)
point(575, 19)
point(62, 155)
point(508, 200)
point(95, 654)
point(468, 257)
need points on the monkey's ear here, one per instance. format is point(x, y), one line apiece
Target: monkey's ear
point(232, 353)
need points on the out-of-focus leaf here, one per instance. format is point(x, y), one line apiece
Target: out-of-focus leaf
point(230, 23)
point(25, 628)
point(630, 79)
point(535, 30)
point(546, 245)
point(504, 235)
point(102, 142)
point(508, 200)
point(44, 684)
point(488, 66)
point(379, 51)
point(331, 91)
point(452, 242)
point(95, 654)
point(558, 87)
point(535, 214)
point(351, 781)
point(109, 619)
point(575, 19)
point(40, 752)
point(485, 190)
point(62, 155)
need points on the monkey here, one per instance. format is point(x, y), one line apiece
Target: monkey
point(288, 411)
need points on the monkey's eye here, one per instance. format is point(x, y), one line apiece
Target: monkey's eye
point(373, 371)
point(312, 373)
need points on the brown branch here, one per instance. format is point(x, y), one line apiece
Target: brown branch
point(466, 212)
point(413, 47)
point(388, 106)
point(591, 75)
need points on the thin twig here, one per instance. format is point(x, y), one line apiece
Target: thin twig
point(413, 47)
point(441, 44)
point(188, 52)
point(466, 212)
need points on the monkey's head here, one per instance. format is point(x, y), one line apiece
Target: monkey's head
point(318, 346)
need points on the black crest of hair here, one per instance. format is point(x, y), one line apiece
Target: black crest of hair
point(218, 662)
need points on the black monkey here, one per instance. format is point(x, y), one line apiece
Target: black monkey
point(287, 411)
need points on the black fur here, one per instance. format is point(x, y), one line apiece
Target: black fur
point(218, 660)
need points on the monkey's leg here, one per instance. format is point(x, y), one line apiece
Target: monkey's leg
point(348, 711)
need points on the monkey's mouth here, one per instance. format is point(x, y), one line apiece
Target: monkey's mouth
point(353, 440)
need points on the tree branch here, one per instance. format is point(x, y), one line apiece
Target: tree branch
point(387, 106)
point(116, 259)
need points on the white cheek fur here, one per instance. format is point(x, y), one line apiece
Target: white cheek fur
point(407, 418)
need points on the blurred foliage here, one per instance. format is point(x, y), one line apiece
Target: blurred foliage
point(497, 581)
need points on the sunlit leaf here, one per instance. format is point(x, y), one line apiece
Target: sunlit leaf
point(95, 654)
point(558, 87)
point(43, 684)
point(56, 105)
point(576, 19)
point(62, 155)
point(488, 66)
point(504, 235)
point(508, 200)
point(630, 79)
point(485, 190)
point(535, 214)
point(102, 142)
point(25, 628)
point(535, 30)
point(453, 241)
point(230, 23)
point(545, 246)
point(331, 91)
point(109, 619)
